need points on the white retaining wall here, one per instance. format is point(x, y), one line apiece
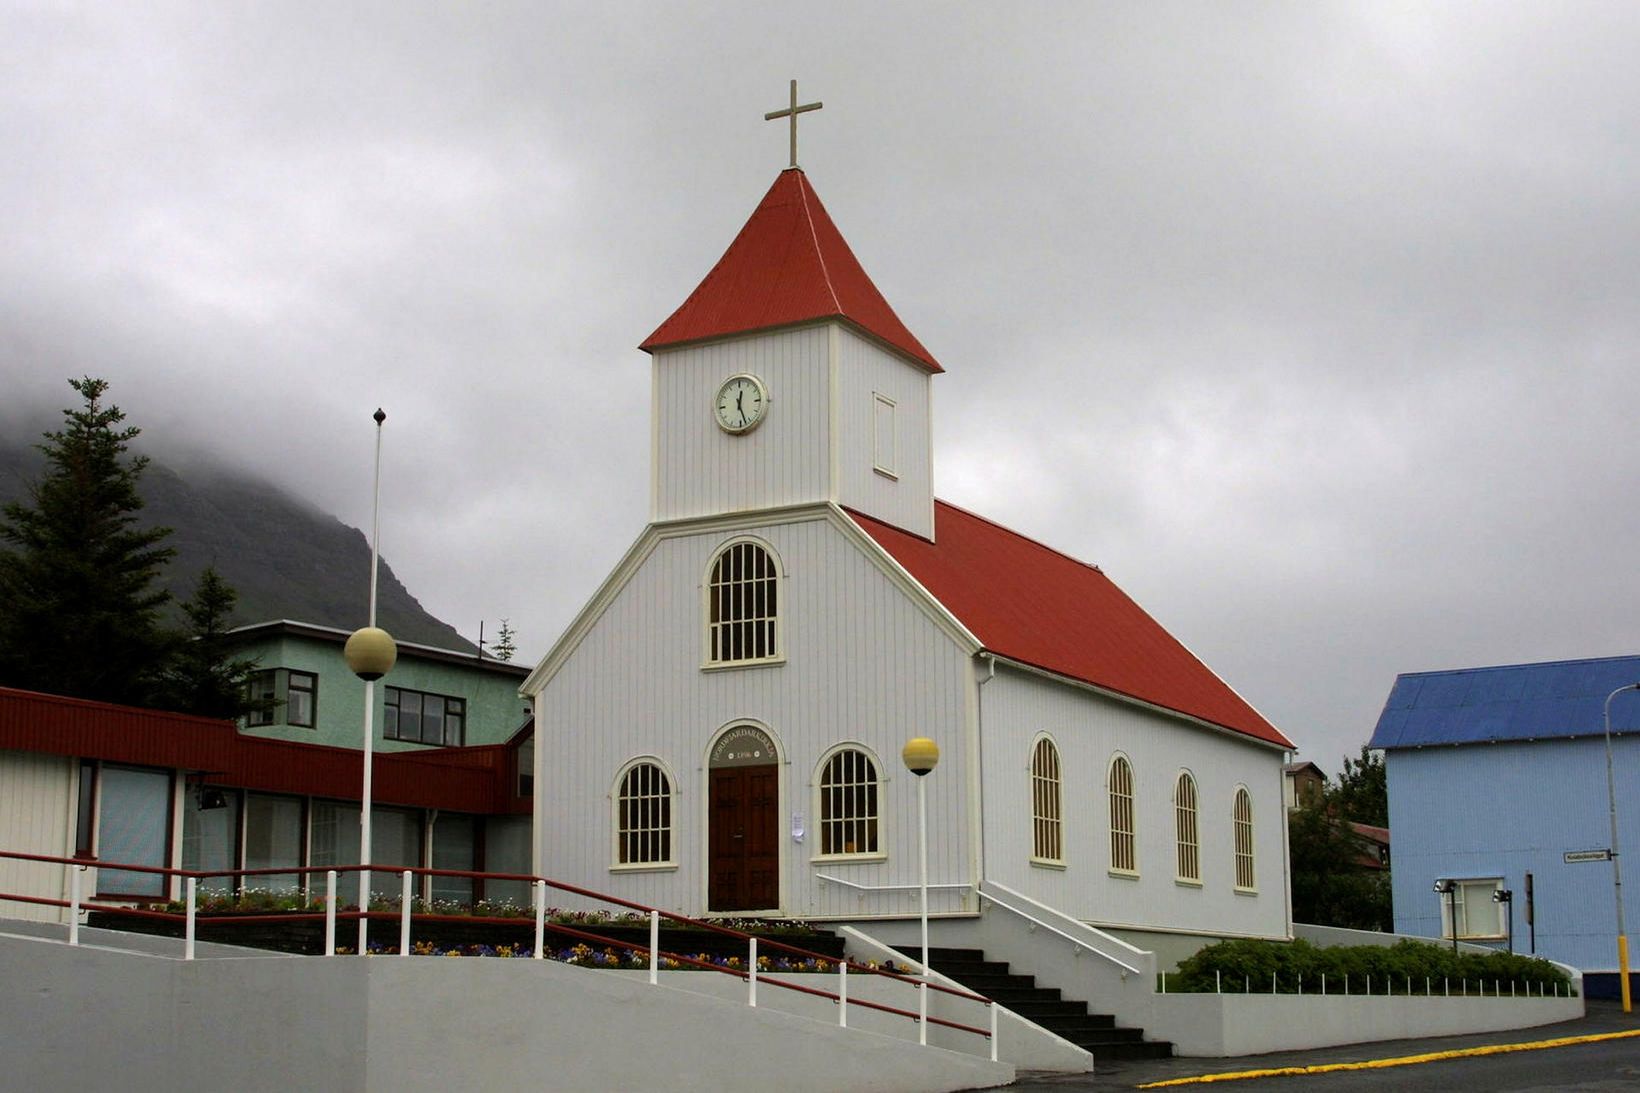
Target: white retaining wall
point(88, 1017)
point(1220, 1025)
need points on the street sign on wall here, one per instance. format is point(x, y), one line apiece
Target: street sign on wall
point(1586, 855)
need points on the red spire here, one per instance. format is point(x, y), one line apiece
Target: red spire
point(789, 264)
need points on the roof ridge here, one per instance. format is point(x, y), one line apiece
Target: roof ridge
point(1021, 535)
point(1522, 664)
point(814, 237)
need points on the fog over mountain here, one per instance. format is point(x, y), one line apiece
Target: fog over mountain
point(285, 558)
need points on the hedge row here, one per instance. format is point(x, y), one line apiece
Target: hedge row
point(1250, 965)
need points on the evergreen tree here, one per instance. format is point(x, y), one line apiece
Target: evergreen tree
point(79, 596)
point(503, 647)
point(1330, 886)
point(203, 676)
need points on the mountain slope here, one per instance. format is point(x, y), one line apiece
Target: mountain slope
point(285, 558)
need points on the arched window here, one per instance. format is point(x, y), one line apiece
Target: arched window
point(1245, 877)
point(1184, 828)
point(1119, 784)
point(742, 608)
point(1046, 834)
point(643, 816)
point(848, 803)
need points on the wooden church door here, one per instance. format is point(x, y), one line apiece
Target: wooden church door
point(744, 841)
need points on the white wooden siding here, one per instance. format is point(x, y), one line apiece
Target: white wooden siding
point(699, 469)
point(906, 500)
point(36, 806)
point(1089, 728)
point(863, 663)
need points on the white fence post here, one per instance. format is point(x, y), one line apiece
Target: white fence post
point(404, 916)
point(922, 1010)
point(654, 947)
point(842, 993)
point(188, 929)
point(540, 916)
point(330, 912)
point(1218, 981)
point(751, 978)
point(74, 872)
point(1323, 984)
point(994, 1007)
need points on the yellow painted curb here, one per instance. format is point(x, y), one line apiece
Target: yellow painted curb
point(1403, 1060)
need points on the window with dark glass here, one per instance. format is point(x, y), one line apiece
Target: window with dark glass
point(848, 804)
point(742, 608)
point(425, 718)
point(643, 816)
point(288, 697)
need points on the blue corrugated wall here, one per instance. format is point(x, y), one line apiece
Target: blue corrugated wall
point(1503, 810)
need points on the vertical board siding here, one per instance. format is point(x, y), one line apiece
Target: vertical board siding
point(1507, 809)
point(36, 792)
point(786, 460)
point(905, 501)
point(853, 644)
point(1089, 729)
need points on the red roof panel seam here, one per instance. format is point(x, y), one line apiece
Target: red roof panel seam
point(814, 237)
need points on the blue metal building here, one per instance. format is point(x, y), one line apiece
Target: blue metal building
point(1497, 783)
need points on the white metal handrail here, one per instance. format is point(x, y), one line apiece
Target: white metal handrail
point(1079, 943)
point(888, 887)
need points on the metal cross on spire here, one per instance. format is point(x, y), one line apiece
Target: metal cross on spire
point(791, 112)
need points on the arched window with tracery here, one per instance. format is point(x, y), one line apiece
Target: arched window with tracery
point(1185, 830)
point(1246, 878)
point(849, 803)
point(1124, 856)
point(742, 605)
point(1047, 835)
point(643, 816)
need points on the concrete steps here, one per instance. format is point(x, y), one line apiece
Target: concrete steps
point(1096, 1033)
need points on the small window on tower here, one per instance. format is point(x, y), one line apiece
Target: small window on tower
point(883, 446)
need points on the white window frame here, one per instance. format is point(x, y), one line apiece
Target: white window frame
point(1244, 841)
point(618, 833)
point(1470, 892)
point(709, 592)
point(1047, 803)
point(887, 468)
point(1121, 800)
point(880, 853)
point(1187, 837)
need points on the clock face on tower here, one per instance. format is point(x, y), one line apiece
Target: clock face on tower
point(741, 404)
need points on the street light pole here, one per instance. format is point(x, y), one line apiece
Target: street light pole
point(1617, 861)
point(921, 755)
point(370, 653)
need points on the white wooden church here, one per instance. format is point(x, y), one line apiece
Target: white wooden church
point(719, 730)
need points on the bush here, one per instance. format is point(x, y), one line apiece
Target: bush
point(1402, 968)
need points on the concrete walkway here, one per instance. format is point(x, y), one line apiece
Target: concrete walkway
point(1602, 1017)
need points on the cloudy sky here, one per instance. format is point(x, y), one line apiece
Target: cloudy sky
point(1315, 325)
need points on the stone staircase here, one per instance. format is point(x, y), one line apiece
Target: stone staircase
point(1094, 1032)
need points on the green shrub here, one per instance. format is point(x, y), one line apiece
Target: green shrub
point(1407, 966)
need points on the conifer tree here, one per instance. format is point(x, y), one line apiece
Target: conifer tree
point(503, 647)
point(80, 599)
point(203, 676)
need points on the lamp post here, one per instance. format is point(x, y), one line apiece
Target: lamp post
point(1505, 898)
point(1617, 862)
point(1449, 889)
point(370, 654)
point(920, 756)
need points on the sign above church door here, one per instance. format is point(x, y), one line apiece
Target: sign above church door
point(743, 746)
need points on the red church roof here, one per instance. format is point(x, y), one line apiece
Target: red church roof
point(789, 264)
point(1035, 605)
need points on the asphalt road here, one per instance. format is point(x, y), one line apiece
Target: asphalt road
point(1595, 1068)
